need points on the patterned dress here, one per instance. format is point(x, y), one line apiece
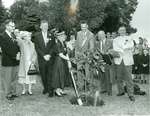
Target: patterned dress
point(28, 55)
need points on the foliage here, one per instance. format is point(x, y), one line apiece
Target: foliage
point(88, 61)
point(3, 16)
point(119, 12)
point(92, 11)
point(100, 14)
point(25, 14)
point(93, 58)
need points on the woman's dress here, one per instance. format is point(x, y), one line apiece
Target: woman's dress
point(60, 73)
point(145, 60)
point(28, 55)
point(137, 66)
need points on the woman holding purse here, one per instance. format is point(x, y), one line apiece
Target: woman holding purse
point(28, 59)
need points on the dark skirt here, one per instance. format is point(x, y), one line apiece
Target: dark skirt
point(137, 69)
point(60, 73)
point(146, 70)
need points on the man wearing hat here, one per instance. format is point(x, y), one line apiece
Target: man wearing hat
point(60, 68)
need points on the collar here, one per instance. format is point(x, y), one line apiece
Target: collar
point(8, 33)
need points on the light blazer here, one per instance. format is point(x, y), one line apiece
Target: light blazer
point(124, 46)
point(89, 43)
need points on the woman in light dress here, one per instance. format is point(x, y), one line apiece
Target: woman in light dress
point(27, 57)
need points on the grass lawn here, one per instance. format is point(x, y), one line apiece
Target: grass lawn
point(41, 105)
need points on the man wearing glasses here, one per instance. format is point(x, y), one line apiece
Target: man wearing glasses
point(10, 64)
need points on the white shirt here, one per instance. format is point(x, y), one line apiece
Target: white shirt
point(124, 46)
point(102, 44)
point(9, 34)
point(45, 37)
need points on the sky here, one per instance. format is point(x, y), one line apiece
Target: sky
point(141, 17)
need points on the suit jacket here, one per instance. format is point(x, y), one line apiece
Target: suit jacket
point(105, 50)
point(10, 49)
point(124, 46)
point(88, 45)
point(41, 48)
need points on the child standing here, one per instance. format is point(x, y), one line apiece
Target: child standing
point(145, 66)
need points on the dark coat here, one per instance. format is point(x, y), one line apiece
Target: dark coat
point(10, 49)
point(145, 61)
point(41, 48)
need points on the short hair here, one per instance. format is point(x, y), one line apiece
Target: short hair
point(101, 32)
point(83, 22)
point(44, 21)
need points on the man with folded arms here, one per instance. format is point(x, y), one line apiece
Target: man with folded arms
point(123, 44)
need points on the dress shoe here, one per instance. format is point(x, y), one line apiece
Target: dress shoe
point(10, 98)
point(102, 92)
point(132, 98)
point(23, 92)
point(51, 94)
point(109, 93)
point(45, 92)
point(63, 93)
point(30, 93)
point(15, 96)
point(58, 94)
point(120, 94)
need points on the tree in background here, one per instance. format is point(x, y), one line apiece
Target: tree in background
point(3, 16)
point(67, 14)
point(25, 13)
point(119, 12)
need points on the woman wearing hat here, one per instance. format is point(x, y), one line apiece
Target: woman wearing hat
point(28, 56)
point(60, 69)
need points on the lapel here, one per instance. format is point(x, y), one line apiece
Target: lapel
point(86, 42)
point(106, 45)
point(8, 38)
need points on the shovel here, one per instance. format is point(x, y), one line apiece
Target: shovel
point(79, 101)
point(76, 91)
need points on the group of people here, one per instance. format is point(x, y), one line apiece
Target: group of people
point(22, 51)
point(50, 54)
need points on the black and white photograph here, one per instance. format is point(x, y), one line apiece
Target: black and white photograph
point(74, 57)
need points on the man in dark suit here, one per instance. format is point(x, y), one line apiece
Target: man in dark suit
point(43, 46)
point(10, 50)
point(104, 45)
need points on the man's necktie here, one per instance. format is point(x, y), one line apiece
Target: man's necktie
point(13, 36)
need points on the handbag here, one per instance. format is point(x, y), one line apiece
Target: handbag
point(33, 70)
